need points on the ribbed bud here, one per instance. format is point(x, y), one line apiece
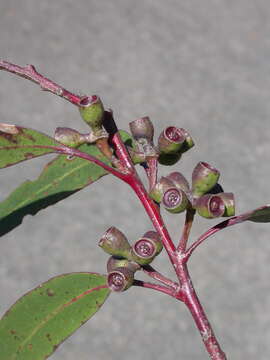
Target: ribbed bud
point(210, 206)
point(204, 178)
point(188, 143)
point(69, 137)
point(120, 279)
point(145, 249)
point(175, 200)
point(92, 112)
point(171, 140)
point(169, 159)
point(142, 128)
point(228, 199)
point(179, 181)
point(114, 242)
point(159, 189)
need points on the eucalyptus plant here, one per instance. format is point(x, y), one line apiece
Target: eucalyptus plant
point(44, 317)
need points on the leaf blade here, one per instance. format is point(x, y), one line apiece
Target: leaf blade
point(19, 144)
point(59, 179)
point(44, 317)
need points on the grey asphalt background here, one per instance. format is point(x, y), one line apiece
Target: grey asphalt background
point(201, 65)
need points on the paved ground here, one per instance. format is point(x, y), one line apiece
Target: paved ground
point(200, 65)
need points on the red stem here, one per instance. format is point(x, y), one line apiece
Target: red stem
point(191, 300)
point(150, 271)
point(186, 292)
point(29, 72)
point(160, 288)
point(186, 230)
point(224, 224)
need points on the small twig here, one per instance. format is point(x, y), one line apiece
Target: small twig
point(150, 271)
point(29, 72)
point(224, 224)
point(186, 230)
point(160, 288)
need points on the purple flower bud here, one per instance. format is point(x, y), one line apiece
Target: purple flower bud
point(114, 242)
point(210, 206)
point(145, 249)
point(171, 140)
point(115, 262)
point(204, 178)
point(69, 137)
point(228, 199)
point(120, 279)
point(175, 200)
point(161, 186)
point(142, 128)
point(179, 181)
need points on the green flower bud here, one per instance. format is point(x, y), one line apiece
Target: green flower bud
point(171, 140)
point(179, 181)
point(175, 200)
point(120, 279)
point(161, 186)
point(115, 262)
point(228, 199)
point(204, 178)
point(92, 112)
point(210, 206)
point(145, 249)
point(142, 128)
point(114, 242)
point(69, 137)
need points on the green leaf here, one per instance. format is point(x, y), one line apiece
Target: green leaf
point(44, 317)
point(18, 144)
point(261, 215)
point(59, 179)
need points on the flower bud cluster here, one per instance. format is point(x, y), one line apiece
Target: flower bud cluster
point(126, 259)
point(172, 142)
point(205, 195)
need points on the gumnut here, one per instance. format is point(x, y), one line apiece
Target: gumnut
point(179, 181)
point(171, 140)
point(114, 242)
point(175, 200)
point(69, 137)
point(142, 128)
point(210, 206)
point(204, 178)
point(145, 249)
point(229, 202)
point(120, 279)
point(92, 112)
point(115, 262)
point(160, 187)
